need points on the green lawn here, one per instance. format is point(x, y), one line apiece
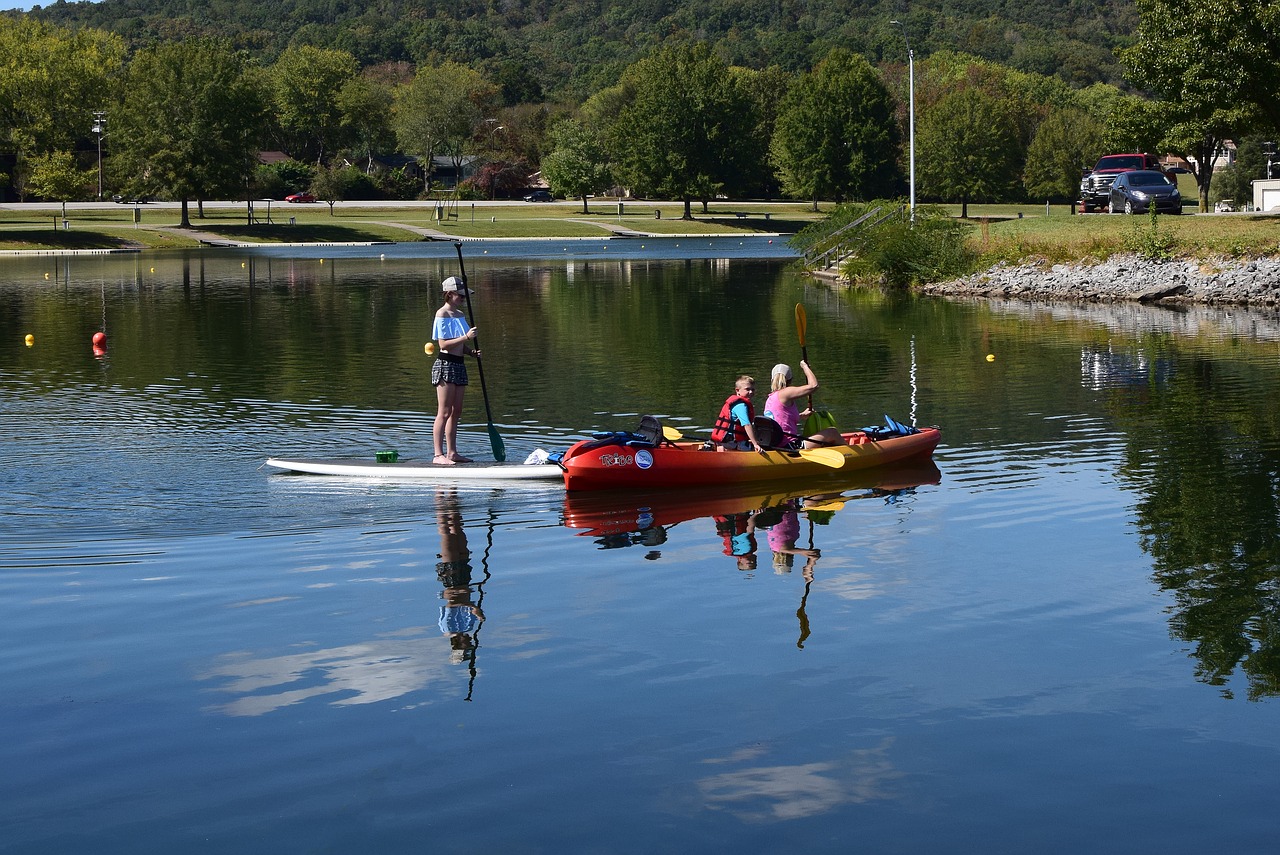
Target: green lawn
point(999, 232)
point(113, 227)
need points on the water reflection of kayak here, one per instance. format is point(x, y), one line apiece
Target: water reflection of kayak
point(629, 461)
point(610, 514)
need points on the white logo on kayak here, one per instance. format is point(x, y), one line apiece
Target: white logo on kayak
point(644, 459)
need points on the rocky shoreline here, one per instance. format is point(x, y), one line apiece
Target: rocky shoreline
point(1127, 278)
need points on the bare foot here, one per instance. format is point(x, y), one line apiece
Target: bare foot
point(458, 458)
point(443, 460)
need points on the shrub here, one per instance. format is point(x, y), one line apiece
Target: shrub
point(895, 251)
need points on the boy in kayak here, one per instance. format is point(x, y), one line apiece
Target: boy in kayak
point(453, 333)
point(781, 407)
point(733, 430)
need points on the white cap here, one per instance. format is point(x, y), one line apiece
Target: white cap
point(781, 368)
point(452, 284)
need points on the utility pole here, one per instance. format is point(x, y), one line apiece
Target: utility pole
point(99, 128)
point(911, 90)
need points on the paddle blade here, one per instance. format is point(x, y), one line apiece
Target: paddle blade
point(671, 434)
point(825, 456)
point(802, 322)
point(499, 447)
point(831, 506)
point(818, 421)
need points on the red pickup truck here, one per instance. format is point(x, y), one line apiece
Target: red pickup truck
point(1095, 186)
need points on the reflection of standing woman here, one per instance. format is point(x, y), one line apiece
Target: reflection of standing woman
point(452, 333)
point(460, 618)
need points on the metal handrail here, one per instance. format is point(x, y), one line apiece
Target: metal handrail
point(846, 239)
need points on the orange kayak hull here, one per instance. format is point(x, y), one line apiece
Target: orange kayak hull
point(601, 464)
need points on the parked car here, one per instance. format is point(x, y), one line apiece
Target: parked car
point(299, 197)
point(1095, 187)
point(130, 200)
point(540, 196)
point(1135, 192)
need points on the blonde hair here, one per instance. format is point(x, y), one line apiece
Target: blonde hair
point(743, 378)
point(779, 382)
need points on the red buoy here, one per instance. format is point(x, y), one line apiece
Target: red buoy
point(99, 339)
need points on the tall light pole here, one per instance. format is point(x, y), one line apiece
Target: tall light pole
point(911, 88)
point(493, 127)
point(99, 128)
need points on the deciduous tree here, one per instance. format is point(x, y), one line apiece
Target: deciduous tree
point(680, 129)
point(52, 81)
point(1210, 55)
point(835, 136)
point(967, 149)
point(438, 111)
point(190, 121)
point(1067, 141)
point(578, 164)
point(56, 176)
point(306, 84)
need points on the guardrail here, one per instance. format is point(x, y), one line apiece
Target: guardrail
point(844, 241)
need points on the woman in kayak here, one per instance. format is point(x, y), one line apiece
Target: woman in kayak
point(733, 430)
point(781, 407)
point(452, 333)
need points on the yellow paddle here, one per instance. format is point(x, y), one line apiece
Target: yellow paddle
point(819, 419)
point(825, 456)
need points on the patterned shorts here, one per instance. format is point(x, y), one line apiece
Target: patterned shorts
point(449, 372)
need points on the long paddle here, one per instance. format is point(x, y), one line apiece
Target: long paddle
point(802, 326)
point(818, 419)
point(825, 456)
point(495, 441)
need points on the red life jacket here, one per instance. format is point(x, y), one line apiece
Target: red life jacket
point(725, 426)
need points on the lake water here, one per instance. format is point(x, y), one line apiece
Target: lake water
point(1062, 637)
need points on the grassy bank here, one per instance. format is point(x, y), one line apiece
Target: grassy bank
point(996, 233)
point(112, 226)
point(1063, 237)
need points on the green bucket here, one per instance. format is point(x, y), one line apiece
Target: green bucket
point(387, 456)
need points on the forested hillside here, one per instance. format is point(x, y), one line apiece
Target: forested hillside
point(565, 50)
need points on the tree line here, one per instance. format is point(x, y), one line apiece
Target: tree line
point(185, 119)
point(565, 50)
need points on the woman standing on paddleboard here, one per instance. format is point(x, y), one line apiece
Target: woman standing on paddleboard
point(452, 333)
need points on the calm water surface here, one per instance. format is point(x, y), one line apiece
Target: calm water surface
point(1061, 638)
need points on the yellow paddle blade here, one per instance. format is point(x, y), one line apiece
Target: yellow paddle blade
point(671, 434)
point(825, 456)
point(802, 322)
point(832, 506)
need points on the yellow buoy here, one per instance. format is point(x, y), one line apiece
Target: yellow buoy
point(429, 348)
point(991, 357)
point(30, 340)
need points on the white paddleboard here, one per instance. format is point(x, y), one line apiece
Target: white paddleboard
point(422, 470)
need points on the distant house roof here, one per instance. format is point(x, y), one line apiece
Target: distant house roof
point(272, 156)
point(395, 161)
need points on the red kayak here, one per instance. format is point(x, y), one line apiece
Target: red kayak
point(647, 460)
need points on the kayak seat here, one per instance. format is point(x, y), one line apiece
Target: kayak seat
point(769, 433)
point(650, 430)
